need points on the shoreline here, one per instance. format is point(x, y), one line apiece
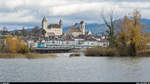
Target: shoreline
point(49, 55)
point(26, 56)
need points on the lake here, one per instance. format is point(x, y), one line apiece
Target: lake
point(76, 69)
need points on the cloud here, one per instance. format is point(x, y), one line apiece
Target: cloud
point(18, 16)
point(71, 10)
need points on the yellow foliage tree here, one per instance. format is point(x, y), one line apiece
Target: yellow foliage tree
point(131, 33)
point(15, 45)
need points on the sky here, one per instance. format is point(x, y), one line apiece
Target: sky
point(71, 11)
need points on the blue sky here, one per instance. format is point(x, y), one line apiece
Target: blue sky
point(32, 11)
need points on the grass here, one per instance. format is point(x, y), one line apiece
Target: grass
point(124, 52)
point(98, 51)
point(144, 53)
point(26, 56)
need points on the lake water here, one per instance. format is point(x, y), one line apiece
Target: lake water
point(76, 69)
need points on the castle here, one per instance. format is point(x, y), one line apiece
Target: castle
point(52, 29)
point(57, 29)
point(77, 30)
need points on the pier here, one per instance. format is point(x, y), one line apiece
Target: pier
point(52, 50)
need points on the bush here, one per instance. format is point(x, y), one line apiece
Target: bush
point(24, 49)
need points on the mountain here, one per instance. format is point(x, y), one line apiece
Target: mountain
point(17, 26)
point(95, 28)
point(100, 28)
point(147, 23)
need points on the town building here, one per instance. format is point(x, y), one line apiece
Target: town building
point(74, 43)
point(76, 37)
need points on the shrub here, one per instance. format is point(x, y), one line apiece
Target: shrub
point(24, 49)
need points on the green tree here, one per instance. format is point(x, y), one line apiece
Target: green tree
point(16, 33)
point(43, 32)
point(24, 32)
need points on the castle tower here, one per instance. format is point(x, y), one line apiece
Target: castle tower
point(82, 27)
point(44, 23)
point(61, 23)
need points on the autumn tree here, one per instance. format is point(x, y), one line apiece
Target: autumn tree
point(15, 45)
point(131, 33)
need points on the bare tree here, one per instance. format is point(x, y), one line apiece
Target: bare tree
point(110, 21)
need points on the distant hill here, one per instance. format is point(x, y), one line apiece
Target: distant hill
point(99, 28)
point(18, 26)
point(147, 23)
point(93, 27)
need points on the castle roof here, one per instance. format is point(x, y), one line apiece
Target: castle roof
point(54, 26)
point(44, 18)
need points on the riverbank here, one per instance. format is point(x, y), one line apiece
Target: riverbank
point(26, 56)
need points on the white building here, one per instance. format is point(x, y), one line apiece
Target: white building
point(77, 30)
point(52, 29)
point(77, 43)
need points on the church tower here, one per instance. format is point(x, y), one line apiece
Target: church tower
point(44, 23)
point(61, 23)
point(82, 27)
point(61, 26)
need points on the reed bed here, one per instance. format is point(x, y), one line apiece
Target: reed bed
point(27, 55)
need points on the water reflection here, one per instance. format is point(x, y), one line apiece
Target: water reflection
point(132, 67)
point(76, 69)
